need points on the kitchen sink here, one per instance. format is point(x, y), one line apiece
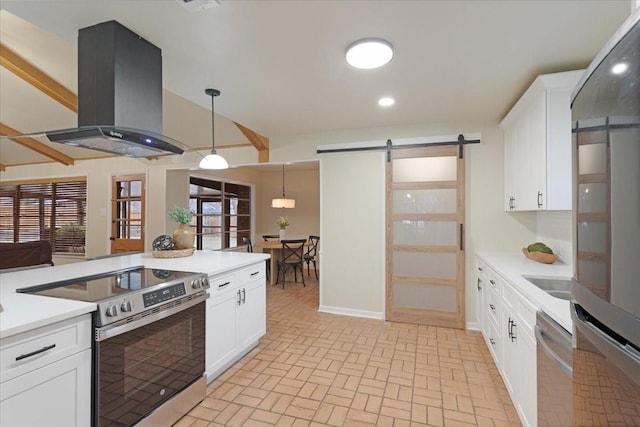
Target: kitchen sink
point(555, 286)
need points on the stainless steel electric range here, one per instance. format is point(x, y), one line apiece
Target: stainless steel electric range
point(149, 342)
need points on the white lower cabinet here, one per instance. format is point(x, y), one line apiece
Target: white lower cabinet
point(46, 376)
point(236, 317)
point(508, 320)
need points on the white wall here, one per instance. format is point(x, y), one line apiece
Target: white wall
point(352, 256)
point(556, 230)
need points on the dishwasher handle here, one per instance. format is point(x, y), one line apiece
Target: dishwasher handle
point(542, 340)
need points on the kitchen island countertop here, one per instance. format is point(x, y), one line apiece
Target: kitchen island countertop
point(23, 312)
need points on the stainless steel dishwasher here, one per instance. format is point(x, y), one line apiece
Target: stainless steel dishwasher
point(555, 360)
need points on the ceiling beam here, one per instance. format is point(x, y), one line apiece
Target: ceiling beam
point(37, 78)
point(261, 142)
point(36, 146)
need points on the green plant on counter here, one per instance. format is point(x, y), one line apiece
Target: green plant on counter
point(180, 215)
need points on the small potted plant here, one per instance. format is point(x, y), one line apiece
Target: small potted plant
point(283, 223)
point(184, 235)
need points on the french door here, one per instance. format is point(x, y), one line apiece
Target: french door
point(425, 236)
point(127, 213)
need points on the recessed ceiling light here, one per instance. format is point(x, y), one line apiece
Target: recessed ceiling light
point(369, 53)
point(619, 68)
point(386, 101)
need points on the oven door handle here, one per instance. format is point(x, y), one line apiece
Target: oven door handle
point(119, 328)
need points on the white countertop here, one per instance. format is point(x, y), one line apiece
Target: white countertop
point(513, 265)
point(23, 312)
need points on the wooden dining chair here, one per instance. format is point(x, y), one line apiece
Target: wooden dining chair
point(292, 257)
point(247, 241)
point(311, 256)
point(268, 237)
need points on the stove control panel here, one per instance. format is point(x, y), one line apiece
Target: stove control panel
point(164, 294)
point(117, 309)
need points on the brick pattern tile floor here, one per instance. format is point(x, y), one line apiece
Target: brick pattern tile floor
point(317, 369)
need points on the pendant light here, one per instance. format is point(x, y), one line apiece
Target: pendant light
point(213, 160)
point(283, 202)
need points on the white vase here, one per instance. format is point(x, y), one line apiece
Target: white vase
point(283, 233)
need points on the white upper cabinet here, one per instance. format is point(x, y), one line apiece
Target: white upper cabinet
point(537, 145)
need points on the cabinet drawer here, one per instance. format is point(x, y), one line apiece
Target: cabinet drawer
point(493, 342)
point(31, 350)
point(492, 306)
point(495, 283)
point(510, 296)
point(222, 283)
point(481, 268)
point(527, 316)
point(256, 271)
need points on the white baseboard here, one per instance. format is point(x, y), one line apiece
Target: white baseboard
point(472, 326)
point(351, 312)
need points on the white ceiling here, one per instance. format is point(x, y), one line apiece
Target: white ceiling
point(280, 64)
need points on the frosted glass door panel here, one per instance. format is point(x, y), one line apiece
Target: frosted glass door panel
point(592, 237)
point(592, 197)
point(425, 169)
point(427, 297)
point(425, 264)
point(425, 201)
point(592, 158)
point(439, 233)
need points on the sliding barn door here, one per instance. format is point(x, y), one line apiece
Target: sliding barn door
point(425, 236)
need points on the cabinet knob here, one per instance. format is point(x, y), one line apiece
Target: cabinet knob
point(493, 307)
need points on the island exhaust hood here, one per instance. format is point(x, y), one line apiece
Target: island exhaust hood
point(119, 95)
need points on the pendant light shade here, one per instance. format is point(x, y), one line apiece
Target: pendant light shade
point(283, 202)
point(213, 160)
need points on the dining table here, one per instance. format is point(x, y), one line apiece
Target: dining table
point(274, 248)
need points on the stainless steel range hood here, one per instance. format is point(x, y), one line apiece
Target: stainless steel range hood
point(119, 95)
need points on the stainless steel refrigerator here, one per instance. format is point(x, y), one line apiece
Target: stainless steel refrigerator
point(605, 112)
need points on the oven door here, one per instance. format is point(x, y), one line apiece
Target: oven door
point(140, 365)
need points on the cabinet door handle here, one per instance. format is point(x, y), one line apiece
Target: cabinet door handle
point(244, 294)
point(512, 203)
point(33, 353)
point(239, 297)
point(492, 307)
point(492, 341)
point(480, 269)
point(539, 199)
point(512, 325)
point(479, 284)
point(255, 273)
point(492, 281)
point(222, 285)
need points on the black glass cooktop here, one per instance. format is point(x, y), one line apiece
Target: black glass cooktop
point(101, 286)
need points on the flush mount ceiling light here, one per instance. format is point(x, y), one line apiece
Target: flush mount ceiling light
point(386, 101)
point(369, 53)
point(283, 202)
point(213, 160)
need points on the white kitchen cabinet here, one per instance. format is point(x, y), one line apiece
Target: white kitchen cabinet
point(537, 141)
point(46, 375)
point(252, 314)
point(508, 321)
point(236, 316)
